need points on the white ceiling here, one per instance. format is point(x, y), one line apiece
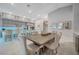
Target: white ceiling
point(35, 9)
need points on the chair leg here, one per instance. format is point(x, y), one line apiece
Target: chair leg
point(55, 51)
point(43, 48)
point(40, 52)
point(51, 52)
point(36, 53)
point(48, 52)
point(58, 44)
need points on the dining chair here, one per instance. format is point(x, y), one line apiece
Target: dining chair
point(52, 46)
point(35, 49)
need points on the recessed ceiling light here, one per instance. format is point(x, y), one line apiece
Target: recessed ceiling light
point(30, 11)
point(12, 4)
point(39, 15)
point(24, 16)
point(10, 12)
point(46, 16)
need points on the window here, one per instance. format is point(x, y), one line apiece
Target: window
point(57, 26)
point(60, 26)
point(54, 26)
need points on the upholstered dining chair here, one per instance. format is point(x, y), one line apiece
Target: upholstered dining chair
point(52, 46)
point(35, 49)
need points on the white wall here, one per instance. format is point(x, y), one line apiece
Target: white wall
point(0, 22)
point(76, 18)
point(59, 15)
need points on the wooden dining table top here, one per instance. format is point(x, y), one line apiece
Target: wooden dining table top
point(40, 40)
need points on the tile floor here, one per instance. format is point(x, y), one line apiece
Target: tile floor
point(16, 48)
point(67, 48)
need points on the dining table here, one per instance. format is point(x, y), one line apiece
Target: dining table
point(41, 40)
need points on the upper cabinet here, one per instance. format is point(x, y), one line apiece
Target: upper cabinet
point(11, 16)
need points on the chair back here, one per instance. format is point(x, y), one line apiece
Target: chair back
point(39, 51)
point(57, 37)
